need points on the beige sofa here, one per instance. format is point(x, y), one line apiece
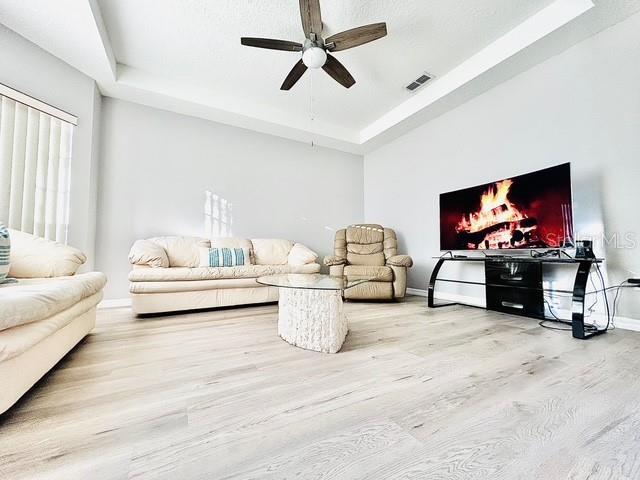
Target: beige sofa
point(45, 313)
point(370, 251)
point(166, 275)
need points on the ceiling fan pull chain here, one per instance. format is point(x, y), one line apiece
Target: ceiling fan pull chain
point(311, 109)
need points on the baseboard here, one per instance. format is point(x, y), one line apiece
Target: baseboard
point(626, 323)
point(115, 303)
point(417, 291)
point(450, 297)
point(623, 323)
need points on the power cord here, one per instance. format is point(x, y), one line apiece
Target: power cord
point(555, 320)
point(606, 297)
point(595, 302)
point(615, 299)
point(611, 310)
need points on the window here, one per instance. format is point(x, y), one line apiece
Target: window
point(35, 161)
point(218, 216)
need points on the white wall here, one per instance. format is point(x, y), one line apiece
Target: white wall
point(29, 69)
point(157, 165)
point(581, 106)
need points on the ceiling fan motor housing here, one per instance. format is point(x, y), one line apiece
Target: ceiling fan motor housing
point(313, 54)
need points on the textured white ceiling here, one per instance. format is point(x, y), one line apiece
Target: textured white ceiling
point(198, 42)
point(65, 28)
point(185, 56)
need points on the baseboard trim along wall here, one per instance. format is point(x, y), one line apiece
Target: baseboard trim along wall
point(115, 303)
point(623, 323)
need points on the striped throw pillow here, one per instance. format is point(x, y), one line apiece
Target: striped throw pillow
point(5, 247)
point(224, 257)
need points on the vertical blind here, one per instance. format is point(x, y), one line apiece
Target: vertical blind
point(35, 160)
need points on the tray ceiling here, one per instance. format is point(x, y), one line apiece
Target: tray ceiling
point(186, 56)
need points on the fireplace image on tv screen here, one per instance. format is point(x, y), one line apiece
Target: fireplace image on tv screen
point(527, 211)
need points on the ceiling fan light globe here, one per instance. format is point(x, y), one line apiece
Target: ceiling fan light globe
point(314, 57)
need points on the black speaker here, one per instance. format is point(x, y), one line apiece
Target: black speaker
point(584, 249)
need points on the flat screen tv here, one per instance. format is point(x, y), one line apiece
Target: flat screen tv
point(527, 211)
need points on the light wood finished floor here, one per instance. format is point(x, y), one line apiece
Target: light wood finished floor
point(454, 393)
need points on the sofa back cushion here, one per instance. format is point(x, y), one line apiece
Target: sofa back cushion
point(36, 257)
point(365, 245)
point(271, 251)
point(231, 242)
point(182, 251)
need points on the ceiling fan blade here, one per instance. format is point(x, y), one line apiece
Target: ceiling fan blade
point(338, 72)
point(271, 44)
point(311, 17)
point(294, 75)
point(356, 37)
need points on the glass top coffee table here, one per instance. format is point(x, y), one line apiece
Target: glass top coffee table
point(310, 310)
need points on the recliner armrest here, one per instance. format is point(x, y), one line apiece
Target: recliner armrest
point(333, 260)
point(400, 261)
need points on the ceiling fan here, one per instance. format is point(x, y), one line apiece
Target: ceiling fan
point(316, 50)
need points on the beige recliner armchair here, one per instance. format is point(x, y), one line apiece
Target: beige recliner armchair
point(365, 251)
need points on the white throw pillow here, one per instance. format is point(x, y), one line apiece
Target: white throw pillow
point(301, 255)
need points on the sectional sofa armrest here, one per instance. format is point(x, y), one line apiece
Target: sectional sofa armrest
point(146, 252)
point(400, 261)
point(334, 260)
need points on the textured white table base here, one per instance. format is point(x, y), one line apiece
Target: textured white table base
point(312, 319)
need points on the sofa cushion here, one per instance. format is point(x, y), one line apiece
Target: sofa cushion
point(370, 290)
point(379, 274)
point(212, 273)
point(146, 252)
point(36, 257)
point(224, 257)
point(192, 285)
point(17, 340)
point(271, 251)
point(36, 299)
point(182, 251)
point(301, 255)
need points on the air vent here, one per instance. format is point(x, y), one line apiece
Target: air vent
point(418, 82)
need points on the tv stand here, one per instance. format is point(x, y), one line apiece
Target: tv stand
point(515, 285)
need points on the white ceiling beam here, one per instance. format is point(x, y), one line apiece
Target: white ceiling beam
point(107, 51)
point(141, 87)
point(531, 30)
